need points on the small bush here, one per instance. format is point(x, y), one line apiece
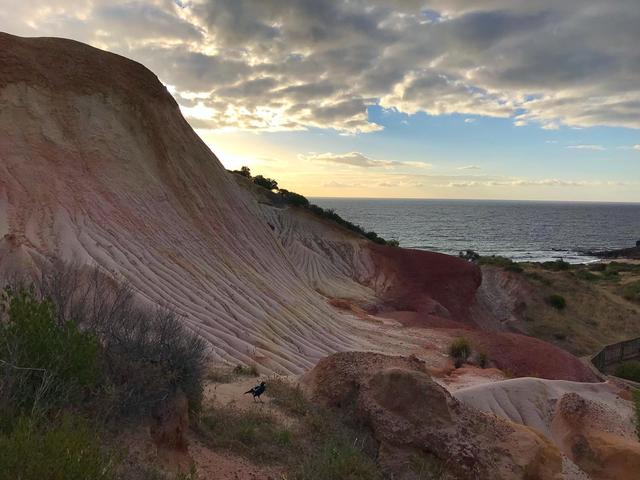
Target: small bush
point(268, 183)
point(460, 350)
point(557, 301)
point(556, 265)
point(483, 359)
point(68, 449)
point(629, 370)
point(149, 355)
point(82, 327)
point(45, 364)
point(292, 198)
point(597, 267)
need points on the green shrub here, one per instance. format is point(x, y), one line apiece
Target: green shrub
point(91, 329)
point(631, 291)
point(45, 364)
point(502, 262)
point(557, 301)
point(268, 183)
point(292, 198)
point(556, 265)
point(483, 359)
point(460, 350)
point(629, 370)
point(585, 275)
point(67, 449)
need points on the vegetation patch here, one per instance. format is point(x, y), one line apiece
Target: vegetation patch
point(483, 359)
point(251, 433)
point(556, 265)
point(557, 301)
point(631, 291)
point(427, 467)
point(586, 275)
point(628, 370)
point(323, 443)
point(65, 448)
point(460, 350)
point(74, 349)
point(295, 199)
point(535, 276)
point(502, 262)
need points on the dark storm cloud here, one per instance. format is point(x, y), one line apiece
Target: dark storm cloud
point(280, 64)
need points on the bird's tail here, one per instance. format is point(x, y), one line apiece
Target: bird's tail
point(248, 391)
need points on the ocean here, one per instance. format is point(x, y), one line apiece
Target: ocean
point(520, 230)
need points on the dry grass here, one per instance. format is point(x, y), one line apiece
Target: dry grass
point(321, 445)
point(227, 374)
point(596, 311)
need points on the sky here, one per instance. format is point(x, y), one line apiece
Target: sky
point(494, 99)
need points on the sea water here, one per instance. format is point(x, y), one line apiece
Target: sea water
point(520, 230)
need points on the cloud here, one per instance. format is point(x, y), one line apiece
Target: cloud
point(598, 148)
point(357, 159)
point(469, 120)
point(469, 167)
point(550, 182)
point(299, 64)
point(354, 159)
point(636, 147)
point(334, 184)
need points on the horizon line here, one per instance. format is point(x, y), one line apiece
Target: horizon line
point(481, 200)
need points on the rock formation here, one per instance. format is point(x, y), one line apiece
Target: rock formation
point(411, 415)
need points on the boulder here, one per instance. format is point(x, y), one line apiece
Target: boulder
point(416, 421)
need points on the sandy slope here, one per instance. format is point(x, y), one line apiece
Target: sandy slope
point(98, 167)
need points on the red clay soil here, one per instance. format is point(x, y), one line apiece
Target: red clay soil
point(439, 288)
point(523, 356)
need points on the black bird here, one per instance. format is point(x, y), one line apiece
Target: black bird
point(257, 391)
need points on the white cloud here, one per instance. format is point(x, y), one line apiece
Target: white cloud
point(636, 147)
point(469, 120)
point(357, 159)
point(294, 64)
point(469, 167)
point(598, 148)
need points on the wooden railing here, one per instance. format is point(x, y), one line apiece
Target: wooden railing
point(616, 353)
